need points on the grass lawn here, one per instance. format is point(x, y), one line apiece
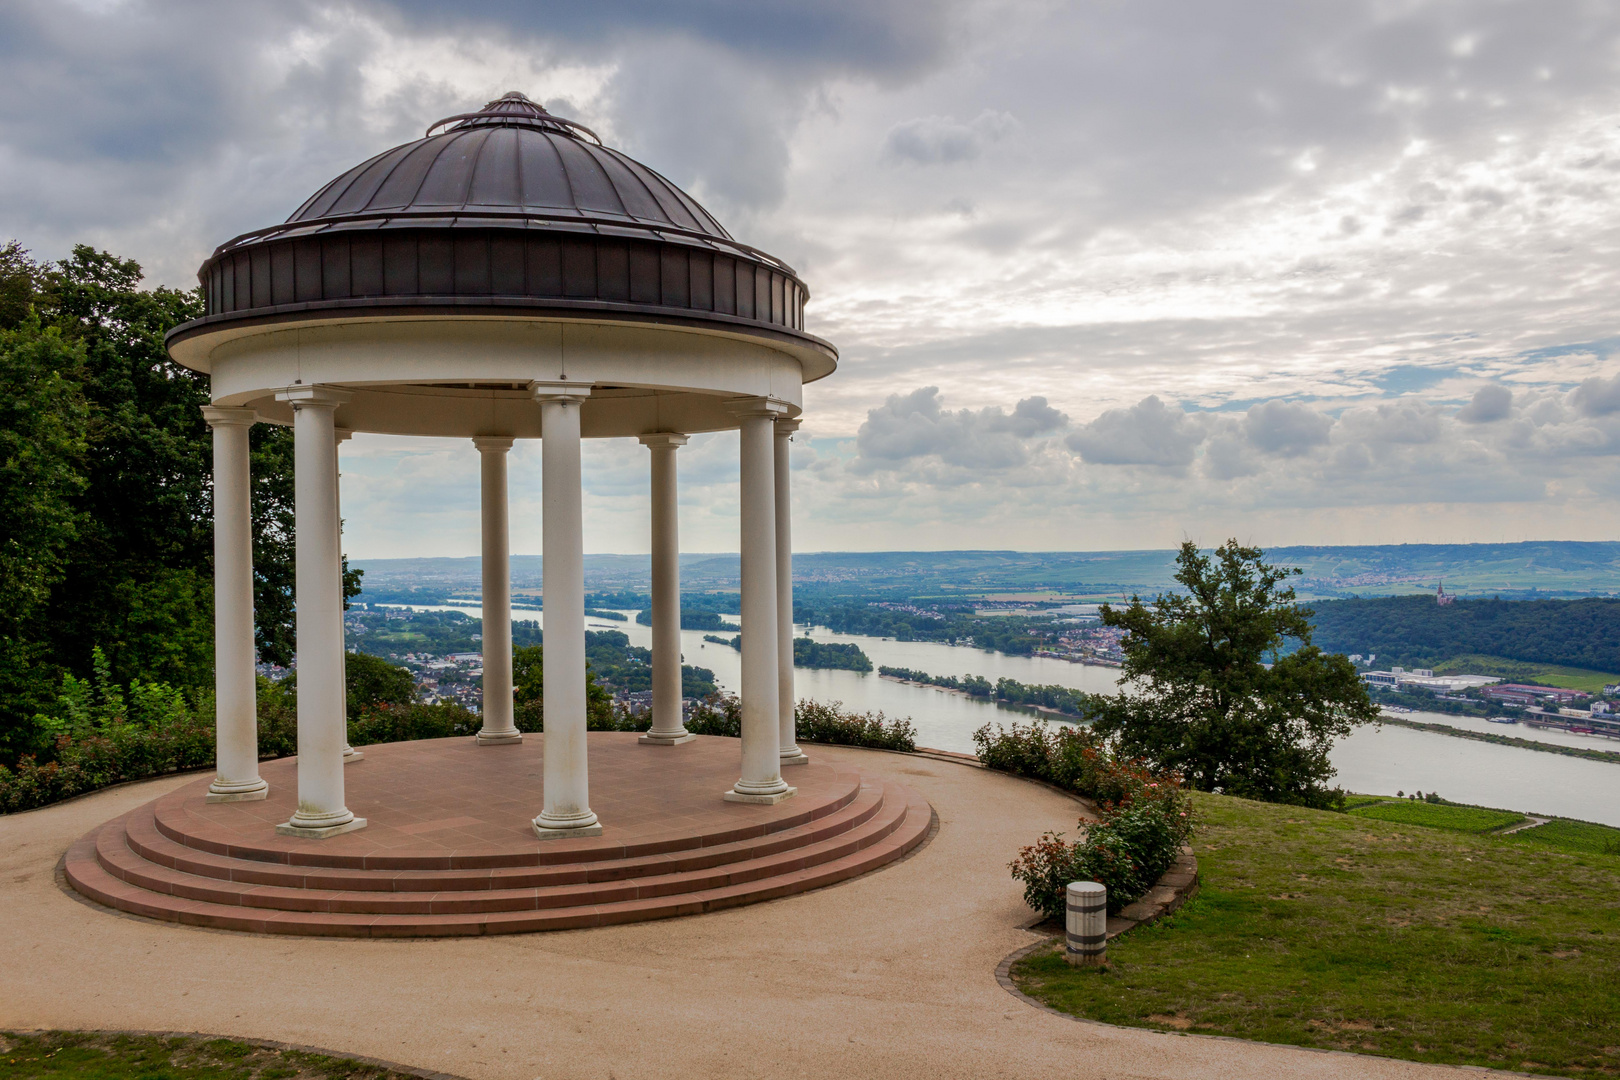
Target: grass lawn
point(1439, 815)
point(1572, 836)
point(1570, 678)
point(1343, 931)
point(92, 1056)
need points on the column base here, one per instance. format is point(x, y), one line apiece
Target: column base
point(289, 829)
point(760, 800)
point(794, 757)
point(550, 832)
point(350, 754)
point(659, 738)
point(498, 738)
point(223, 792)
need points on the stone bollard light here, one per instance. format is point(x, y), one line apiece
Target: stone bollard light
point(1086, 923)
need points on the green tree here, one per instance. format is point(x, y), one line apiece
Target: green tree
point(19, 283)
point(43, 434)
point(374, 681)
point(270, 451)
point(137, 580)
point(1210, 692)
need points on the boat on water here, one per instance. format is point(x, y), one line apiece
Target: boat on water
point(1501, 720)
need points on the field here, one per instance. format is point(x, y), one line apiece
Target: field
point(1570, 678)
point(1439, 815)
point(1343, 931)
point(1572, 836)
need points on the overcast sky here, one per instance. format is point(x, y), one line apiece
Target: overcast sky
point(1102, 275)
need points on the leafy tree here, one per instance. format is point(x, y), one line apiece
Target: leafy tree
point(270, 462)
point(137, 579)
point(1208, 692)
point(43, 436)
point(374, 681)
point(19, 281)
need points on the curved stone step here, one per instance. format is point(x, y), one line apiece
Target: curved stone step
point(175, 822)
point(88, 875)
point(117, 857)
point(151, 844)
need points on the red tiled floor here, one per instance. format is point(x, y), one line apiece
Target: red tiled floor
point(448, 848)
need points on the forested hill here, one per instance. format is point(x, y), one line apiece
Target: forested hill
point(1416, 632)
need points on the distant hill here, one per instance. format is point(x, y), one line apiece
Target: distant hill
point(1414, 631)
point(1517, 571)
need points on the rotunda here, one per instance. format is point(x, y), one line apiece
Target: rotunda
point(506, 276)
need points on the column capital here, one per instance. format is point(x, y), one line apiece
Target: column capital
point(663, 438)
point(758, 406)
point(787, 425)
point(486, 443)
point(303, 395)
point(217, 416)
point(563, 390)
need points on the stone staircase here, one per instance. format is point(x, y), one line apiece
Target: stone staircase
point(173, 859)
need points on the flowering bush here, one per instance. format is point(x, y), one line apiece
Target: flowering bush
point(1145, 816)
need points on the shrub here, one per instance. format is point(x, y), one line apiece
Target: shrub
point(1126, 851)
point(402, 723)
point(1145, 816)
point(717, 714)
point(829, 723)
point(1022, 751)
point(721, 714)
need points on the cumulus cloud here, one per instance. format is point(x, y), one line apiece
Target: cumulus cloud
point(1488, 403)
point(1328, 210)
point(1598, 396)
point(1404, 421)
point(941, 140)
point(1286, 428)
point(914, 425)
point(1148, 433)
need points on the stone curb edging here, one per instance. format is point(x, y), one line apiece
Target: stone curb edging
point(263, 1044)
point(1175, 887)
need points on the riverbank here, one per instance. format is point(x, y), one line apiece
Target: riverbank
point(1506, 740)
point(1370, 759)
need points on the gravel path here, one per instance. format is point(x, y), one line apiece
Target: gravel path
point(889, 975)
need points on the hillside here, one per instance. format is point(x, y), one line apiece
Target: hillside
point(1414, 631)
point(1521, 571)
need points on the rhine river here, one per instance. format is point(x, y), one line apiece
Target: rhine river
point(1379, 762)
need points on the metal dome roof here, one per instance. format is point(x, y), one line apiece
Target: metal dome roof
point(508, 211)
point(512, 156)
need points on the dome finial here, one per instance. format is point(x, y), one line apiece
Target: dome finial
point(514, 108)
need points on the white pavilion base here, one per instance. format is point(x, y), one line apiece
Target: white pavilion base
point(761, 800)
point(289, 829)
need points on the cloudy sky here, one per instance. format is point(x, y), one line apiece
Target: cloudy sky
point(1102, 274)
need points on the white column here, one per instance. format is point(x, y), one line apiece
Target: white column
point(761, 780)
point(319, 596)
point(790, 752)
point(566, 811)
point(667, 726)
point(339, 437)
point(236, 714)
point(498, 728)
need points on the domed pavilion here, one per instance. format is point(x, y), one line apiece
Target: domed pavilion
point(508, 276)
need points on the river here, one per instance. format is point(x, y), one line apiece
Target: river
point(1376, 761)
